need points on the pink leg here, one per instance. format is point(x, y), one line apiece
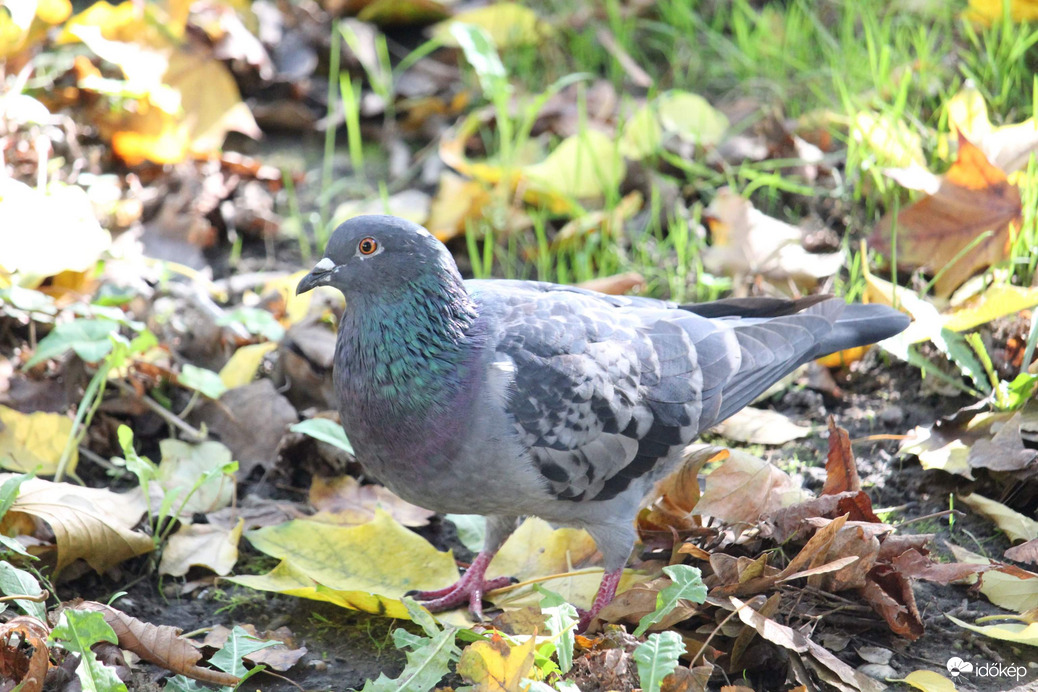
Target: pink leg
point(469, 589)
point(606, 592)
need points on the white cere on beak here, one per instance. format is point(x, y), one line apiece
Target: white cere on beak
point(325, 265)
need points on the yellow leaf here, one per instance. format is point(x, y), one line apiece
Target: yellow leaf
point(242, 366)
point(891, 141)
point(508, 23)
point(536, 550)
point(457, 202)
point(1011, 589)
point(1015, 525)
point(497, 667)
point(988, 12)
point(353, 562)
point(66, 235)
point(585, 166)
point(999, 300)
point(92, 524)
point(34, 441)
point(1016, 632)
point(928, 681)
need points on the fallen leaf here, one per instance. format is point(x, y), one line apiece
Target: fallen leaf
point(233, 418)
point(584, 166)
point(350, 566)
point(748, 243)
point(1017, 632)
point(928, 681)
point(760, 426)
point(242, 366)
point(495, 666)
point(744, 488)
point(841, 470)
point(509, 24)
point(691, 117)
point(617, 284)
point(201, 545)
point(890, 140)
point(184, 465)
point(34, 442)
point(282, 656)
point(343, 500)
point(89, 523)
point(1015, 525)
point(988, 12)
point(973, 198)
point(24, 656)
point(67, 236)
point(1008, 147)
point(158, 644)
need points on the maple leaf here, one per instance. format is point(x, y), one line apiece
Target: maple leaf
point(971, 199)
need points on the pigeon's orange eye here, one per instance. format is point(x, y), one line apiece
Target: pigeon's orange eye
point(367, 246)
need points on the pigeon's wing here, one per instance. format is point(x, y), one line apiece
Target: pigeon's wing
point(602, 389)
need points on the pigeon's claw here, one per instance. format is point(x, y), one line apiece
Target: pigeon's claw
point(469, 589)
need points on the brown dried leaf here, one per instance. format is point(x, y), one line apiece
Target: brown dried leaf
point(841, 471)
point(89, 523)
point(617, 284)
point(973, 197)
point(889, 592)
point(1025, 552)
point(345, 501)
point(280, 657)
point(915, 565)
point(24, 657)
point(745, 488)
point(235, 419)
point(158, 644)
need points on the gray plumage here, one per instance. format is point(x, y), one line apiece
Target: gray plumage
point(514, 398)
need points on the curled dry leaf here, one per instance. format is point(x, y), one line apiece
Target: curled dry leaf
point(89, 523)
point(158, 644)
point(24, 656)
point(841, 471)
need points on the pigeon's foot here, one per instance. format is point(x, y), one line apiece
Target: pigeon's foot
point(605, 595)
point(469, 589)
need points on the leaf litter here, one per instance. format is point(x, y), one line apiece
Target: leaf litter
point(780, 563)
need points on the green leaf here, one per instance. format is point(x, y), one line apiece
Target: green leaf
point(17, 582)
point(480, 52)
point(15, 547)
point(9, 491)
point(324, 430)
point(426, 666)
point(238, 645)
point(79, 630)
point(472, 529)
point(87, 337)
point(657, 657)
point(256, 321)
point(687, 585)
point(201, 380)
point(1020, 390)
point(180, 683)
point(421, 617)
point(691, 117)
point(562, 621)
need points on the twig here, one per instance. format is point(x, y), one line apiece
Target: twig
point(717, 629)
point(194, 434)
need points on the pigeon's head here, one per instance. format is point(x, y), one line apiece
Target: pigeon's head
point(380, 255)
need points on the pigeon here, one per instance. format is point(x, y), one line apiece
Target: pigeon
point(511, 398)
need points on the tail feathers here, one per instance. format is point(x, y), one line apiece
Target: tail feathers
point(771, 347)
point(860, 325)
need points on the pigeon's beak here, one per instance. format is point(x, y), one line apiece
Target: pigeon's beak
point(320, 275)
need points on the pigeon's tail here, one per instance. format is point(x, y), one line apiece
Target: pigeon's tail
point(774, 337)
point(859, 325)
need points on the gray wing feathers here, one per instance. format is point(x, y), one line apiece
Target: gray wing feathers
point(606, 387)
